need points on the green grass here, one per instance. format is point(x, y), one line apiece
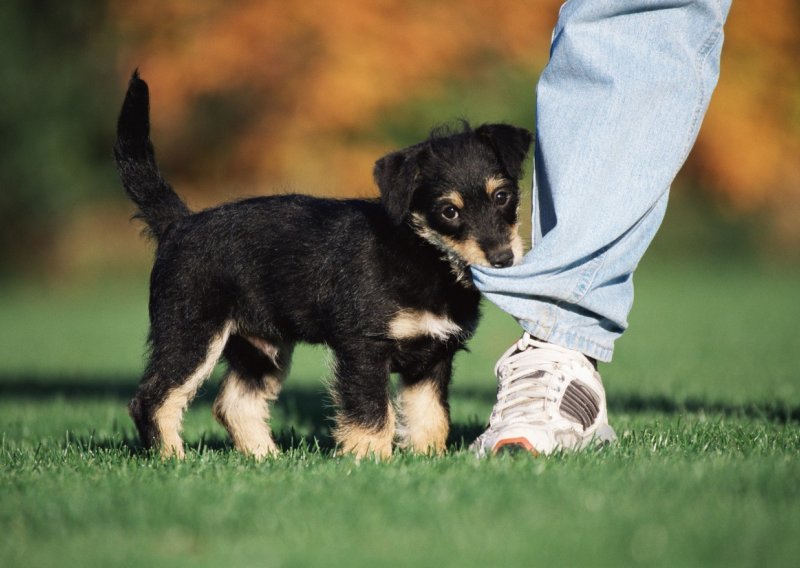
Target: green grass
point(703, 392)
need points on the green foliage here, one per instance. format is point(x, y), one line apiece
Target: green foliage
point(494, 93)
point(703, 394)
point(56, 120)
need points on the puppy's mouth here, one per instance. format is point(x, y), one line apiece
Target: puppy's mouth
point(496, 258)
point(504, 255)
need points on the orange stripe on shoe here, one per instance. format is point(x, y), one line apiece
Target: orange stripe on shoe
point(521, 443)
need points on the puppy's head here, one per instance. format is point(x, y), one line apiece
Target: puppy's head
point(460, 192)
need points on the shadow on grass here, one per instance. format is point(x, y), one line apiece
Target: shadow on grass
point(313, 406)
point(773, 411)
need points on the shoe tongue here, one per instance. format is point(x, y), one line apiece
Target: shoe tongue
point(522, 343)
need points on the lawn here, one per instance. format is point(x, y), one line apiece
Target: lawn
point(703, 392)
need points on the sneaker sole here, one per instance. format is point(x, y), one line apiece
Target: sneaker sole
point(514, 446)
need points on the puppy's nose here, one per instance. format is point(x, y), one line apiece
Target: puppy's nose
point(501, 258)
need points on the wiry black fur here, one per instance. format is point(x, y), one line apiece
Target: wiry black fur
point(295, 268)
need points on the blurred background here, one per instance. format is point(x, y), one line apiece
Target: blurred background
point(268, 96)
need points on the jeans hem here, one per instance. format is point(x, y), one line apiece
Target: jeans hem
point(570, 340)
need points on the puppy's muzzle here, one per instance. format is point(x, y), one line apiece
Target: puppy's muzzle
point(500, 258)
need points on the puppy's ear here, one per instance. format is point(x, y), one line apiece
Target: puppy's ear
point(395, 174)
point(510, 144)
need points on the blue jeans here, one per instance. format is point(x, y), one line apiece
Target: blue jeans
point(618, 108)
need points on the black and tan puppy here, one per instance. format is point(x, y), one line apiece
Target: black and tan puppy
point(384, 283)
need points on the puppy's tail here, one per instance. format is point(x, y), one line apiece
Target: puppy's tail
point(159, 206)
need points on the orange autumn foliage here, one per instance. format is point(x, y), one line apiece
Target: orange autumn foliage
point(303, 84)
point(748, 152)
point(313, 76)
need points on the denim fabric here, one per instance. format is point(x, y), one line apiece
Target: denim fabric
point(618, 108)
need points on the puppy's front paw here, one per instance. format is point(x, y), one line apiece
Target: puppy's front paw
point(172, 449)
point(426, 421)
point(364, 441)
point(426, 443)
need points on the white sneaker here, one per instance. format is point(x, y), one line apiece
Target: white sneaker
point(549, 398)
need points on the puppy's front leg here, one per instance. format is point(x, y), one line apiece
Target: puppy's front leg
point(365, 419)
point(425, 410)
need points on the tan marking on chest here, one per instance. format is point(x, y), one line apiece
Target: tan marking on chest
point(412, 324)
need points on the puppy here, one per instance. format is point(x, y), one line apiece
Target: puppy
point(383, 283)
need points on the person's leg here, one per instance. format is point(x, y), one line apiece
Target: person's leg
point(619, 106)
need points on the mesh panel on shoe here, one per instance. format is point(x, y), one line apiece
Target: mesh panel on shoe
point(580, 404)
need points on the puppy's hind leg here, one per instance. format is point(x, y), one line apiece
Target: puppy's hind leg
point(179, 363)
point(254, 378)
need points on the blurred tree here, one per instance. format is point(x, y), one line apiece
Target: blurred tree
point(748, 153)
point(293, 91)
point(55, 119)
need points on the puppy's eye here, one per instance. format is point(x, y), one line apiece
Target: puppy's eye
point(450, 212)
point(501, 198)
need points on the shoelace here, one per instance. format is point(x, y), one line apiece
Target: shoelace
point(530, 378)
